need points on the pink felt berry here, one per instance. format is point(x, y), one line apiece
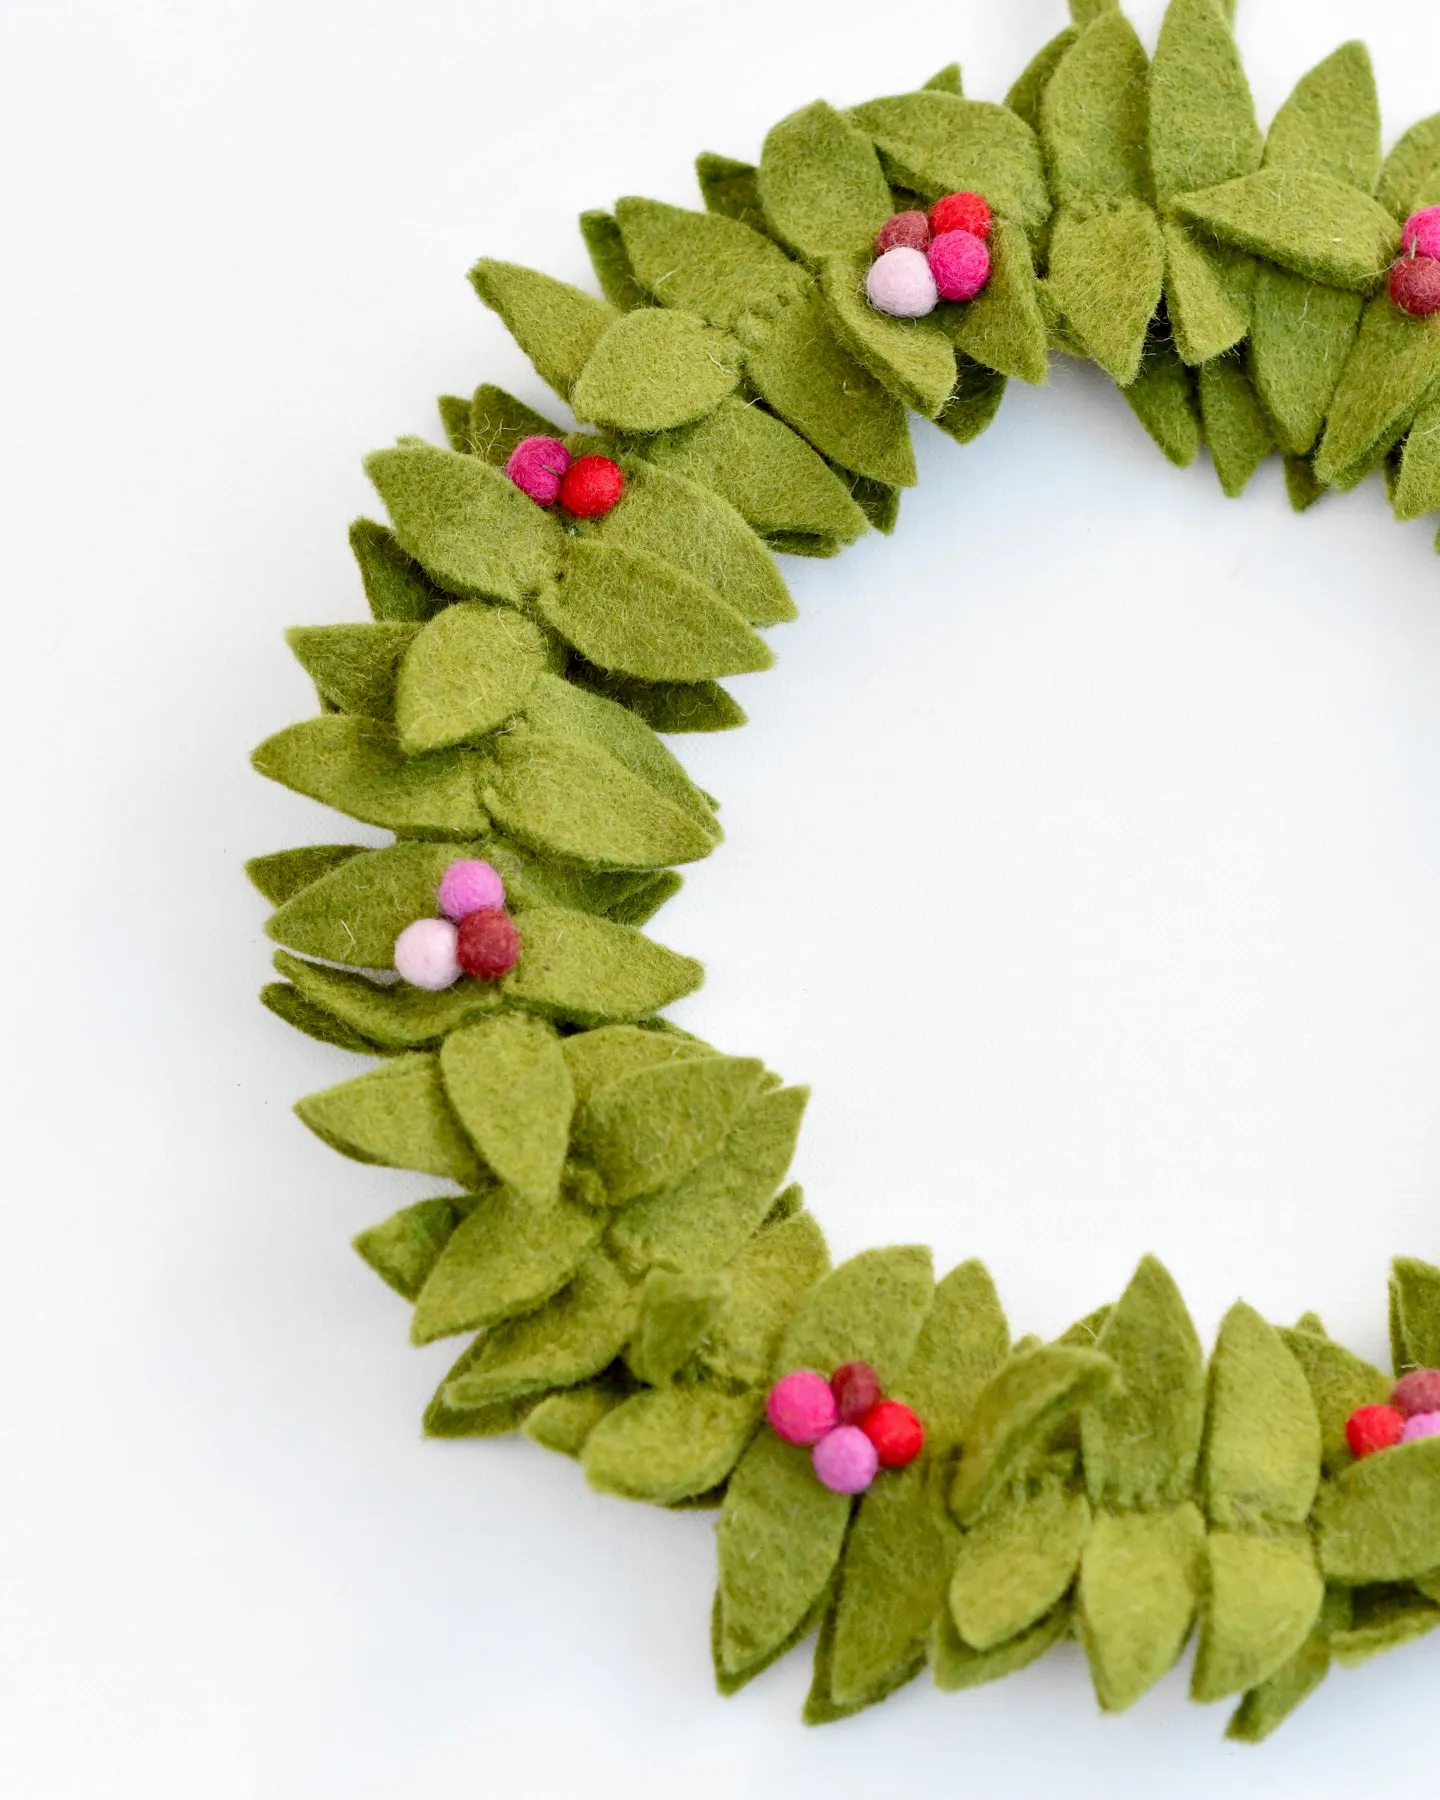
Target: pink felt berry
point(1415, 285)
point(487, 943)
point(1372, 1428)
point(960, 264)
point(536, 466)
point(592, 486)
point(961, 212)
point(856, 1388)
point(425, 954)
point(1421, 1425)
point(801, 1407)
point(845, 1460)
point(900, 283)
point(468, 886)
point(903, 231)
point(1417, 1392)
point(1422, 232)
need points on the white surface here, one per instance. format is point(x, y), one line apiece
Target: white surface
point(1083, 852)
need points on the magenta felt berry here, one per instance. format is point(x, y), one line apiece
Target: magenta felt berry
point(960, 264)
point(903, 231)
point(468, 886)
point(961, 212)
point(1421, 1425)
point(900, 283)
point(856, 1388)
point(536, 466)
point(845, 1460)
point(425, 954)
point(801, 1407)
point(1372, 1428)
point(1415, 285)
point(1422, 232)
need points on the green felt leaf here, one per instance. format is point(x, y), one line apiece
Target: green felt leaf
point(396, 587)
point(1027, 95)
point(1094, 116)
point(1107, 270)
point(879, 503)
point(1163, 398)
point(564, 1421)
point(284, 873)
point(1018, 1562)
point(556, 325)
point(595, 1059)
point(610, 259)
point(1262, 1432)
point(1417, 492)
point(706, 264)
point(1379, 1520)
point(666, 705)
point(956, 1666)
point(1263, 1597)
point(973, 402)
point(656, 369)
point(356, 766)
point(646, 1130)
point(676, 1311)
point(1267, 1706)
point(1202, 115)
point(670, 1444)
point(1140, 1581)
point(1300, 335)
point(1415, 1316)
point(1142, 1439)
point(494, 1420)
point(293, 1007)
point(1395, 361)
point(403, 1249)
point(353, 666)
point(1209, 312)
point(1410, 176)
point(397, 1115)
point(730, 188)
point(938, 144)
point(821, 184)
point(510, 1087)
point(1004, 327)
point(1339, 1381)
point(469, 670)
point(588, 971)
point(1383, 1620)
point(639, 616)
point(498, 422)
point(767, 1282)
point(389, 1015)
point(870, 1309)
point(1311, 223)
point(455, 418)
point(961, 1345)
point(911, 358)
point(1330, 125)
point(1086, 12)
point(1237, 427)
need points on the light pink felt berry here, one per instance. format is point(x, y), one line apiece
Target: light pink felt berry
point(537, 466)
point(845, 1460)
point(900, 283)
point(960, 264)
point(1422, 232)
point(1422, 1425)
point(425, 954)
point(801, 1407)
point(468, 886)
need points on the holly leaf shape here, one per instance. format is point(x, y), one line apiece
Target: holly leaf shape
point(821, 185)
point(655, 369)
point(705, 264)
point(510, 1087)
point(468, 671)
point(557, 326)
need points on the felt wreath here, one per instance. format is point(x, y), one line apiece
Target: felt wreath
point(649, 1297)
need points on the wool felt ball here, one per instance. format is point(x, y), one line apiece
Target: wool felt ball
point(801, 1407)
point(426, 954)
point(1372, 1428)
point(1415, 285)
point(845, 1460)
point(1417, 1392)
point(857, 1389)
point(536, 466)
point(1421, 1425)
point(470, 886)
point(896, 1433)
point(903, 231)
point(487, 944)
point(591, 486)
point(961, 212)
point(1422, 232)
point(900, 283)
point(960, 264)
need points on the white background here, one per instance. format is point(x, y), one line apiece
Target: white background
point(1084, 853)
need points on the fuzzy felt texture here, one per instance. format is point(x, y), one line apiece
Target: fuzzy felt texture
point(499, 423)
point(595, 1059)
point(821, 185)
point(556, 325)
point(676, 1312)
point(471, 668)
point(610, 259)
point(1107, 270)
point(396, 587)
point(1410, 177)
point(730, 188)
point(936, 144)
point(1262, 1598)
point(403, 1249)
point(1394, 362)
point(956, 1666)
point(670, 1444)
point(1027, 93)
point(397, 1115)
point(706, 264)
point(563, 1421)
point(1309, 222)
point(912, 357)
point(1202, 115)
point(1004, 327)
point(1262, 1433)
point(1267, 1706)
point(870, 1309)
point(1237, 427)
point(668, 706)
point(510, 1088)
point(1208, 293)
point(1018, 1561)
point(1414, 1316)
point(302, 1014)
point(1094, 116)
point(1330, 125)
point(353, 666)
point(1140, 1584)
point(974, 401)
point(284, 873)
point(1417, 491)
point(1300, 336)
point(765, 1285)
point(1383, 1619)
point(356, 766)
point(654, 370)
point(648, 1129)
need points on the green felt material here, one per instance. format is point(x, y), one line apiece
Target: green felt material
point(804, 372)
point(1415, 1317)
point(870, 1310)
point(974, 401)
point(956, 1666)
point(1339, 1382)
point(356, 766)
point(962, 1343)
point(938, 144)
point(1237, 426)
point(1094, 115)
point(496, 1419)
point(1417, 491)
point(398, 1115)
point(289, 1004)
point(353, 666)
point(563, 1422)
point(645, 1131)
point(766, 1283)
point(1330, 125)
point(1031, 1397)
point(1267, 1706)
point(498, 422)
point(1107, 270)
point(1163, 398)
point(556, 325)
point(949, 80)
point(454, 413)
point(1202, 115)
point(1300, 335)
point(610, 259)
point(506, 1259)
point(706, 264)
point(1384, 1619)
point(821, 185)
point(595, 1059)
point(1263, 1597)
point(1394, 362)
point(1325, 229)
point(284, 873)
point(1086, 12)
point(676, 1312)
point(1208, 307)
point(654, 370)
point(467, 671)
point(1004, 327)
point(667, 705)
point(403, 1249)
point(1027, 94)
point(670, 1444)
point(779, 1538)
point(730, 188)
point(390, 1016)
point(566, 1341)
point(912, 358)
point(1410, 176)
point(1018, 1561)
point(397, 589)
point(1379, 1520)
point(510, 1088)
point(639, 616)
point(589, 971)
point(1262, 1430)
point(730, 1681)
point(1140, 1583)
point(880, 504)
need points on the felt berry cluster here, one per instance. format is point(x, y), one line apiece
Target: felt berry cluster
point(475, 936)
point(1415, 275)
point(922, 259)
point(851, 1430)
point(1413, 1412)
point(586, 487)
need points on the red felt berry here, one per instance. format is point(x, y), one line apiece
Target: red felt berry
point(487, 944)
point(1417, 1392)
point(1415, 285)
point(961, 212)
point(1372, 1428)
point(857, 1391)
point(903, 231)
point(591, 486)
point(898, 1436)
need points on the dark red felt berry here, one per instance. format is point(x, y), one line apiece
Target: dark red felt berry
point(903, 231)
point(487, 944)
point(1372, 1428)
point(1417, 1392)
point(591, 486)
point(857, 1391)
point(898, 1436)
point(961, 212)
point(1415, 285)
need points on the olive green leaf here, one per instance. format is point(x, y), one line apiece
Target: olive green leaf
point(974, 401)
point(1410, 177)
point(498, 422)
point(1163, 398)
point(1018, 1561)
point(403, 1249)
point(1262, 1432)
point(1094, 117)
point(938, 144)
point(646, 1130)
point(1267, 1706)
point(1415, 1316)
point(397, 1115)
point(1027, 94)
point(703, 263)
point(557, 326)
point(355, 765)
point(564, 1421)
point(670, 1444)
point(1330, 125)
point(610, 259)
point(1140, 1582)
point(1107, 270)
point(1208, 293)
point(1202, 115)
point(1300, 336)
point(1383, 1619)
point(302, 1014)
point(1379, 1520)
point(870, 1309)
point(677, 1310)
point(1004, 326)
point(730, 188)
point(1305, 221)
point(912, 358)
point(1417, 490)
point(590, 971)
point(468, 670)
point(1262, 1598)
point(389, 1016)
point(1395, 361)
point(353, 666)
point(956, 1666)
point(283, 873)
point(766, 1284)
point(1237, 427)
point(671, 706)
point(654, 370)
point(821, 185)
point(595, 1059)
point(510, 1087)
point(397, 588)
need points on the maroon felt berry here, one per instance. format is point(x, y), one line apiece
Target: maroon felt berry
point(961, 212)
point(591, 486)
point(487, 944)
point(1415, 285)
point(1417, 1392)
point(857, 1390)
point(903, 231)
point(1372, 1428)
point(898, 1436)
